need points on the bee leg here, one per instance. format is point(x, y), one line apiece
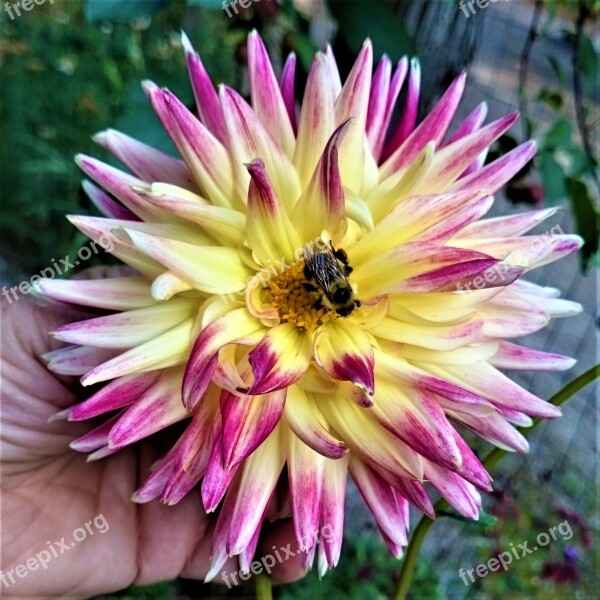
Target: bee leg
point(341, 255)
point(347, 270)
point(357, 303)
point(318, 305)
point(309, 287)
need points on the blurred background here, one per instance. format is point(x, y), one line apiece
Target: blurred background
point(70, 68)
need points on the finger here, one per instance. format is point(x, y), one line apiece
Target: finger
point(280, 542)
point(173, 540)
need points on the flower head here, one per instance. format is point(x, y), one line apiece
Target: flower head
point(314, 293)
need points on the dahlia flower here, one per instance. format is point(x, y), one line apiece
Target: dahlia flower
point(315, 293)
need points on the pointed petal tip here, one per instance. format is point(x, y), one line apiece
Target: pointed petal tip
point(101, 137)
point(255, 166)
point(62, 415)
point(88, 379)
point(149, 87)
point(186, 43)
point(75, 446)
point(80, 159)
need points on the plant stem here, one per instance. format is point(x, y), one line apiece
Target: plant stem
point(524, 64)
point(410, 558)
point(264, 587)
point(582, 16)
point(418, 537)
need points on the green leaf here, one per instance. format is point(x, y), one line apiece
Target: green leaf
point(359, 19)
point(303, 47)
point(555, 100)
point(580, 162)
point(594, 261)
point(558, 135)
point(556, 69)
point(587, 62)
point(553, 178)
point(119, 11)
point(210, 4)
point(586, 218)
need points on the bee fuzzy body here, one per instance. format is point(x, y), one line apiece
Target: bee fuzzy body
point(327, 272)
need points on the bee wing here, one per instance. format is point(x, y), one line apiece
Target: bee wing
point(325, 269)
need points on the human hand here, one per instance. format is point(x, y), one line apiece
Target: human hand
point(49, 491)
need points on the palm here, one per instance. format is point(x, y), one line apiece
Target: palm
point(49, 491)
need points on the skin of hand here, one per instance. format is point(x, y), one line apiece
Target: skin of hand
point(48, 490)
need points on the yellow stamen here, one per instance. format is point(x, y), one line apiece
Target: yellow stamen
point(294, 303)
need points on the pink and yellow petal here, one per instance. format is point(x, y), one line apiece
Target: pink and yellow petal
point(344, 351)
point(144, 161)
point(205, 156)
point(247, 422)
point(408, 118)
point(317, 120)
point(286, 84)
point(210, 269)
point(353, 103)
point(280, 359)
point(431, 129)
point(306, 471)
point(118, 293)
point(165, 350)
point(202, 364)
point(249, 140)
point(258, 478)
point(324, 198)
point(129, 328)
point(207, 99)
point(105, 205)
point(267, 99)
point(415, 417)
point(306, 421)
point(332, 513)
point(271, 235)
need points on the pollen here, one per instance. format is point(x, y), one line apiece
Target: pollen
point(294, 303)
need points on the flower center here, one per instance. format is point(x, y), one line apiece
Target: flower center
point(288, 294)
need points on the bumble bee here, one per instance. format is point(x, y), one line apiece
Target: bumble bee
point(327, 272)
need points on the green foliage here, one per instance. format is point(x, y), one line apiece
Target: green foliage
point(213, 4)
point(117, 10)
point(565, 162)
point(552, 176)
point(587, 217)
point(65, 79)
point(359, 19)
